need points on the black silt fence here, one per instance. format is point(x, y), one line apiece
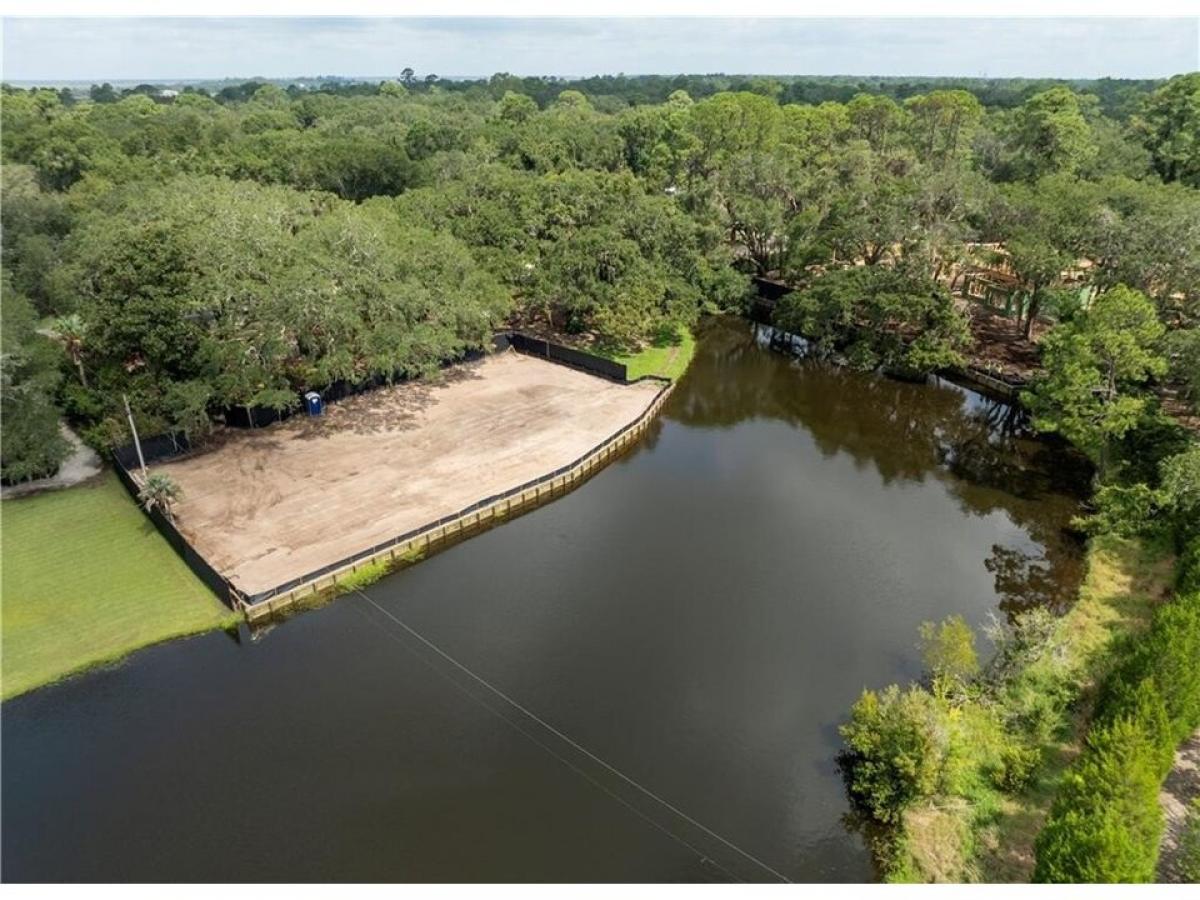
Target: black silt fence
point(254, 416)
point(198, 564)
point(261, 416)
point(164, 446)
point(455, 516)
point(568, 356)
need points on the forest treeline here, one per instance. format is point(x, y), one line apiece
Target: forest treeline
point(1118, 97)
point(200, 252)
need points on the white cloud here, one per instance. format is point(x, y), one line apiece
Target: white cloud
point(181, 48)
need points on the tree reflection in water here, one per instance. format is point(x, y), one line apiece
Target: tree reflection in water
point(980, 448)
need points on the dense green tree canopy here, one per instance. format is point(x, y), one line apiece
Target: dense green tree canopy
point(589, 251)
point(1169, 124)
point(1095, 363)
point(31, 446)
point(1051, 135)
point(232, 243)
point(205, 293)
point(879, 316)
point(235, 244)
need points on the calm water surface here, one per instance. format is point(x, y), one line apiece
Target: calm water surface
point(697, 618)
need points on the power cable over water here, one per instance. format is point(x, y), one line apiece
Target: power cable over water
point(547, 729)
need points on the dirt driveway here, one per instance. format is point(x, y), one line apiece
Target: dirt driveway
point(270, 505)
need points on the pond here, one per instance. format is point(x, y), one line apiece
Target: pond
point(641, 681)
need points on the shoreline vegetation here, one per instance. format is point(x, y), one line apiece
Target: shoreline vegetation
point(1107, 824)
point(991, 745)
point(1046, 763)
point(87, 580)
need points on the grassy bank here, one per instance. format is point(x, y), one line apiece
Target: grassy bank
point(668, 356)
point(992, 747)
point(1126, 580)
point(1106, 823)
point(84, 580)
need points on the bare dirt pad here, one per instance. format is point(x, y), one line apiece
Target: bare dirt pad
point(1001, 346)
point(271, 505)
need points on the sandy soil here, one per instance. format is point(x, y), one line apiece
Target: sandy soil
point(1000, 345)
point(1180, 789)
point(273, 504)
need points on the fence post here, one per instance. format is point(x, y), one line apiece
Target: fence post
point(136, 442)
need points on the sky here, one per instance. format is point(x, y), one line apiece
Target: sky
point(198, 48)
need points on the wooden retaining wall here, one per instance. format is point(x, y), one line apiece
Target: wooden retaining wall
point(979, 378)
point(431, 539)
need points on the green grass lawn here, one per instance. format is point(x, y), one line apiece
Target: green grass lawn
point(668, 356)
point(85, 579)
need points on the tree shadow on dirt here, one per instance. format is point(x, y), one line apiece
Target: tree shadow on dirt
point(387, 409)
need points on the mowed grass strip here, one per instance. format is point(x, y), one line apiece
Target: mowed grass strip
point(668, 356)
point(86, 579)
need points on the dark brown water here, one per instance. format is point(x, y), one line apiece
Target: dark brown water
point(669, 651)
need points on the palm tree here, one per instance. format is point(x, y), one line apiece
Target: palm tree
point(160, 491)
point(70, 331)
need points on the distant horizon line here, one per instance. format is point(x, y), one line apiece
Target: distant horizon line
point(161, 79)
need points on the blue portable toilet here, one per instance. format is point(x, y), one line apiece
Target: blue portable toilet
point(313, 403)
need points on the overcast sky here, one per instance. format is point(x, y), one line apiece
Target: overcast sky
point(183, 48)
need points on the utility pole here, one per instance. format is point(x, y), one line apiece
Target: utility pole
point(136, 443)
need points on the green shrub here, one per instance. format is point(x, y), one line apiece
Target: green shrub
point(369, 573)
point(107, 434)
point(80, 402)
point(364, 575)
point(1189, 568)
point(1183, 351)
point(1030, 677)
point(948, 649)
point(1123, 510)
point(1020, 642)
point(1018, 763)
point(1167, 657)
point(1105, 824)
point(897, 744)
point(1181, 480)
point(32, 445)
point(1138, 455)
point(1180, 492)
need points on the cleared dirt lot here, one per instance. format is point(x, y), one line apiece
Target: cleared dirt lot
point(270, 505)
